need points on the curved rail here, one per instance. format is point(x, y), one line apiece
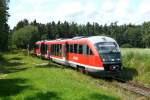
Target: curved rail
point(133, 87)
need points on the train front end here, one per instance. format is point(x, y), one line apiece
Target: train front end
point(109, 53)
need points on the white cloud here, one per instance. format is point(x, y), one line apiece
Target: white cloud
point(81, 12)
point(108, 6)
point(69, 8)
point(121, 7)
point(144, 7)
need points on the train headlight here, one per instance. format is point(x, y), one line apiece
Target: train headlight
point(114, 67)
point(112, 59)
point(118, 59)
point(103, 59)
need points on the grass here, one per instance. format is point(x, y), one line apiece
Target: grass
point(21, 79)
point(137, 65)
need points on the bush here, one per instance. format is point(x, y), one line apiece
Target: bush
point(24, 36)
point(126, 45)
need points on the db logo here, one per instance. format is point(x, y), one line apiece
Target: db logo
point(75, 58)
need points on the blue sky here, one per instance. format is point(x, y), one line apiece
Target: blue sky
point(80, 11)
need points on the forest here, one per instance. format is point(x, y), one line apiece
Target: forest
point(25, 32)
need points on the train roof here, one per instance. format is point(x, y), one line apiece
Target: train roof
point(96, 39)
point(93, 39)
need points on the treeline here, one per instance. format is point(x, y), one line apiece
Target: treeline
point(4, 28)
point(126, 35)
point(26, 33)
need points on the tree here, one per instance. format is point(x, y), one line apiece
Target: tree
point(146, 34)
point(21, 24)
point(134, 36)
point(73, 30)
point(25, 36)
point(4, 28)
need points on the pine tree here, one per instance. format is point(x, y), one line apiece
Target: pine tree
point(4, 28)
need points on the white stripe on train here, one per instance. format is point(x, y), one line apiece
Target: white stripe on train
point(74, 64)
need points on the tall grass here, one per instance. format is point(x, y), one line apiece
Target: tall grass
point(139, 60)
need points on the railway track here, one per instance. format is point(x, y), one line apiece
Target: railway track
point(133, 87)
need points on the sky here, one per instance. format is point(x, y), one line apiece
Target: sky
point(80, 11)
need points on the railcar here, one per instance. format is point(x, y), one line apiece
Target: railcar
point(92, 54)
point(41, 49)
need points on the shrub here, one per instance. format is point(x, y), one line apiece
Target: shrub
point(126, 45)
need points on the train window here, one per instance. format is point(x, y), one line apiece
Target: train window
point(52, 49)
point(55, 49)
point(43, 48)
point(107, 47)
point(36, 46)
point(60, 49)
point(46, 48)
point(88, 51)
point(71, 48)
point(80, 49)
point(67, 48)
point(75, 48)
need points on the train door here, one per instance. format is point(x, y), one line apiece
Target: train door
point(64, 53)
point(88, 53)
point(44, 48)
point(85, 54)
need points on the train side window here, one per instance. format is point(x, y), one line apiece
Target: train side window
point(90, 52)
point(71, 48)
point(75, 48)
point(84, 49)
point(60, 49)
point(55, 49)
point(43, 47)
point(46, 48)
point(80, 49)
point(51, 49)
point(87, 50)
point(67, 48)
point(36, 46)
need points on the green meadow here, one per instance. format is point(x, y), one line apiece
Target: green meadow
point(22, 79)
point(136, 64)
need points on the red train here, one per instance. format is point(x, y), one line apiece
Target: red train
point(92, 54)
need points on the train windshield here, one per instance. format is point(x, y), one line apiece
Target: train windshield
point(107, 47)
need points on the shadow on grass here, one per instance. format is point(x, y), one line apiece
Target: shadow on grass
point(44, 96)
point(11, 65)
point(55, 96)
point(16, 58)
point(51, 65)
point(96, 96)
point(128, 74)
point(9, 87)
